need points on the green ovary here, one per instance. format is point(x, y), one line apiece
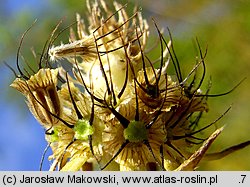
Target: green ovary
point(54, 137)
point(135, 132)
point(83, 129)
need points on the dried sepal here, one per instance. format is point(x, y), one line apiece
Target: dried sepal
point(79, 154)
point(193, 161)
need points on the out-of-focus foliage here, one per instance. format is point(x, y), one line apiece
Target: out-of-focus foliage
point(223, 26)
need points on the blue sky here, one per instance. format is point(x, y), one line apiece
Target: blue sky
point(15, 6)
point(21, 137)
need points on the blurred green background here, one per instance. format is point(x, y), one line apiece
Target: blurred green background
point(223, 26)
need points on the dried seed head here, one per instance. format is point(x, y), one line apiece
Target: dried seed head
point(79, 116)
point(108, 49)
point(129, 139)
point(152, 94)
point(41, 93)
